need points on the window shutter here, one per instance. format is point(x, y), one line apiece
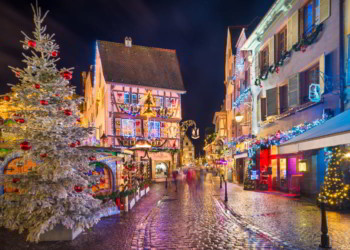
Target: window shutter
point(295, 28)
point(289, 34)
point(322, 72)
point(271, 96)
point(301, 21)
point(272, 51)
point(258, 110)
point(293, 91)
point(263, 109)
point(325, 9)
point(138, 126)
point(145, 128)
point(257, 65)
point(117, 126)
point(163, 128)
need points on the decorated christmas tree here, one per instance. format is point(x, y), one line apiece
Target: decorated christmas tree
point(334, 192)
point(47, 131)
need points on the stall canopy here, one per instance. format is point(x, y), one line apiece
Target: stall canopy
point(335, 131)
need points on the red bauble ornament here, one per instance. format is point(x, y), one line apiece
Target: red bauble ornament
point(37, 86)
point(72, 145)
point(92, 158)
point(43, 155)
point(25, 145)
point(138, 123)
point(78, 189)
point(44, 102)
point(78, 120)
point(32, 43)
point(19, 120)
point(78, 142)
point(7, 98)
point(66, 75)
point(67, 112)
point(15, 180)
point(18, 74)
point(55, 53)
point(57, 94)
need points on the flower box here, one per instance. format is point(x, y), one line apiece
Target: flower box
point(60, 233)
point(131, 203)
point(142, 192)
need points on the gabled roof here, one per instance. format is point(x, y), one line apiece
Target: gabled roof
point(139, 65)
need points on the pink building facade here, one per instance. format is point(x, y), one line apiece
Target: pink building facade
point(124, 77)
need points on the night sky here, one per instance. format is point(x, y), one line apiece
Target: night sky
point(196, 29)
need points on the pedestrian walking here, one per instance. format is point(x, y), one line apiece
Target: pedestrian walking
point(175, 174)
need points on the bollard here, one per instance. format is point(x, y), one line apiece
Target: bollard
point(226, 199)
point(324, 229)
point(166, 182)
point(220, 182)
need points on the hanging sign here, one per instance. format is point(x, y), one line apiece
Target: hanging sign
point(315, 92)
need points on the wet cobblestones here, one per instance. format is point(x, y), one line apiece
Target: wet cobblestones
point(196, 218)
point(193, 219)
point(295, 221)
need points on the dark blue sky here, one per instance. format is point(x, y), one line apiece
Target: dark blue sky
point(196, 29)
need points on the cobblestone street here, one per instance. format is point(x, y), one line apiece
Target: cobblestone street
point(192, 218)
point(296, 221)
point(195, 217)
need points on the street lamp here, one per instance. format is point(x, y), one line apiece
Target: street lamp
point(239, 117)
point(184, 126)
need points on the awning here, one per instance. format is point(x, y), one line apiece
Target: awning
point(334, 132)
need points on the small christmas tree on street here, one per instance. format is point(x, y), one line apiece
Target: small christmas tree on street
point(47, 131)
point(334, 192)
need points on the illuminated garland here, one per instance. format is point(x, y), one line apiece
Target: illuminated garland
point(299, 46)
point(280, 137)
point(128, 109)
point(210, 138)
point(241, 98)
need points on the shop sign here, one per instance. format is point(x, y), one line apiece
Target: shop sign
point(302, 166)
point(255, 174)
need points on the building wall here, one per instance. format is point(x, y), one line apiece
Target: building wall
point(188, 151)
point(328, 43)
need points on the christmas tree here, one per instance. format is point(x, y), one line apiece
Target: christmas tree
point(47, 131)
point(334, 192)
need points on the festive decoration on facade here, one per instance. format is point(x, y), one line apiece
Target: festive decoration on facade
point(334, 192)
point(299, 46)
point(242, 97)
point(149, 103)
point(48, 196)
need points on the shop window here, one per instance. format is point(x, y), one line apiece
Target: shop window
point(161, 170)
point(126, 98)
point(283, 98)
point(306, 79)
point(264, 59)
point(128, 127)
point(154, 129)
point(281, 43)
point(134, 98)
point(167, 102)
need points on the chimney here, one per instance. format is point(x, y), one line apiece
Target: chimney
point(128, 42)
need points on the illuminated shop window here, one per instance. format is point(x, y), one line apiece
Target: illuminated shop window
point(128, 127)
point(154, 129)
